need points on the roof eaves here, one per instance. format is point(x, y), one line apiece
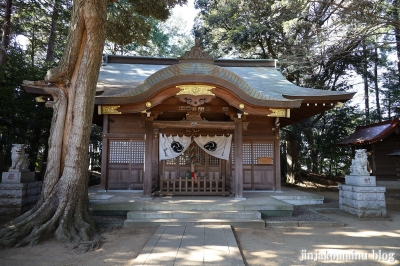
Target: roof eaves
point(120, 59)
point(395, 123)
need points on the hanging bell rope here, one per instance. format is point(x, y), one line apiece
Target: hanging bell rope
point(192, 150)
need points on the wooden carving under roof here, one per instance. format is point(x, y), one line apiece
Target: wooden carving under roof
point(195, 95)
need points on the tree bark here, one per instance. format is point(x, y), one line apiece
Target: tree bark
point(6, 33)
point(365, 78)
point(377, 98)
point(63, 207)
point(292, 158)
point(52, 35)
point(396, 5)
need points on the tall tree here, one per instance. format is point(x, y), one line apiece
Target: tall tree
point(62, 209)
point(365, 81)
point(5, 40)
point(376, 85)
point(391, 90)
point(52, 36)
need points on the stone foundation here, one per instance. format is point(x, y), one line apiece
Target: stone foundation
point(362, 201)
point(18, 176)
point(17, 198)
point(361, 180)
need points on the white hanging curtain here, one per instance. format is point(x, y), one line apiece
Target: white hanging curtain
point(217, 146)
point(172, 146)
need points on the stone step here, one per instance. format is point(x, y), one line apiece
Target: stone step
point(158, 205)
point(300, 199)
point(237, 223)
point(194, 215)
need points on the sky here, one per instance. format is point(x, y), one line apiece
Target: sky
point(187, 13)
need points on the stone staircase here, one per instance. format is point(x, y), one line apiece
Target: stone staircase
point(205, 211)
point(300, 199)
point(197, 210)
point(238, 218)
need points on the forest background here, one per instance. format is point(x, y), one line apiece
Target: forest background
point(328, 44)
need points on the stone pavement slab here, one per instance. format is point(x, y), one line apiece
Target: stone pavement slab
point(191, 245)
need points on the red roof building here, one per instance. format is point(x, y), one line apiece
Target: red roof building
point(383, 141)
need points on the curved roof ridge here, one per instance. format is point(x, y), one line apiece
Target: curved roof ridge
point(198, 68)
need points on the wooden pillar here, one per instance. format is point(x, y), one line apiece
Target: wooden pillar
point(104, 155)
point(154, 159)
point(148, 163)
point(238, 159)
point(277, 161)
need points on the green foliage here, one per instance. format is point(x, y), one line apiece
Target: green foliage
point(319, 44)
point(125, 26)
point(130, 21)
point(152, 37)
point(22, 120)
point(167, 39)
point(33, 19)
point(316, 138)
point(391, 91)
point(238, 28)
point(334, 126)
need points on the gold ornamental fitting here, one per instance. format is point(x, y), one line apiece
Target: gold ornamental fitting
point(195, 90)
point(279, 113)
point(109, 110)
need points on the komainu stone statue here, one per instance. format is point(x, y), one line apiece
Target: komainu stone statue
point(359, 165)
point(19, 159)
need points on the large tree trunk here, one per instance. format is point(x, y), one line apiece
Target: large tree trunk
point(292, 158)
point(377, 98)
point(63, 207)
point(396, 16)
point(6, 33)
point(52, 35)
point(365, 78)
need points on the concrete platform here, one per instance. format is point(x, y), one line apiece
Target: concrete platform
point(199, 210)
point(129, 200)
point(191, 245)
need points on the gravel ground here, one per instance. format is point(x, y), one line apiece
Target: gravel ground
point(310, 212)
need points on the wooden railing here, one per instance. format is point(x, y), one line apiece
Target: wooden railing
point(199, 186)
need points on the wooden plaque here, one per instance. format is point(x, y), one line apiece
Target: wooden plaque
point(265, 160)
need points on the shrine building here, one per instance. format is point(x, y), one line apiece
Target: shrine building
point(197, 126)
point(382, 142)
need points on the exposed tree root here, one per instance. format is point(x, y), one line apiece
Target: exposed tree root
point(86, 246)
point(23, 234)
point(66, 219)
